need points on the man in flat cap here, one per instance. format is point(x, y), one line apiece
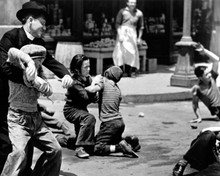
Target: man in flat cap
point(33, 18)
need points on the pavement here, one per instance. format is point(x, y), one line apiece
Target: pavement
point(164, 130)
point(145, 88)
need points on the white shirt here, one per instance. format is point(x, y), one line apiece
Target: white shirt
point(29, 36)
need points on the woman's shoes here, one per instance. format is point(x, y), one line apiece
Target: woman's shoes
point(81, 153)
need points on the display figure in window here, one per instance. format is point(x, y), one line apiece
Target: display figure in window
point(129, 26)
point(89, 24)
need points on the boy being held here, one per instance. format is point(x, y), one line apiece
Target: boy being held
point(25, 121)
point(27, 55)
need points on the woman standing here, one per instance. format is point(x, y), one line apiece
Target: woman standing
point(129, 25)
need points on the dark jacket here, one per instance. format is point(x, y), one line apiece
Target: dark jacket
point(77, 96)
point(18, 38)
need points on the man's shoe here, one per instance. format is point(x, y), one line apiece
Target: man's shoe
point(126, 149)
point(133, 75)
point(179, 168)
point(80, 153)
point(134, 142)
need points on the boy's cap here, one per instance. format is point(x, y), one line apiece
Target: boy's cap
point(114, 73)
point(31, 7)
point(34, 51)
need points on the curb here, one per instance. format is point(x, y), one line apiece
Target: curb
point(139, 99)
point(156, 98)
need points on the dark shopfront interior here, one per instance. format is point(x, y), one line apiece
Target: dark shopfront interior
point(163, 23)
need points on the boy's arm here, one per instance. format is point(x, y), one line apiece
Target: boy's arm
point(212, 57)
point(18, 57)
point(195, 103)
point(22, 60)
point(40, 84)
point(93, 88)
point(96, 86)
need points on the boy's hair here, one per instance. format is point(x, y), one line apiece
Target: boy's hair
point(76, 63)
point(199, 71)
point(114, 73)
point(34, 15)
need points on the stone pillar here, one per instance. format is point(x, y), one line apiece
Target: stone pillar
point(184, 72)
point(215, 38)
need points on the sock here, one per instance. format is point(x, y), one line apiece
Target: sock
point(112, 148)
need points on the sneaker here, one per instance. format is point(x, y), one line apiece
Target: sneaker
point(134, 142)
point(80, 153)
point(126, 149)
point(179, 168)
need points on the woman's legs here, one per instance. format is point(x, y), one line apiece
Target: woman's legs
point(85, 129)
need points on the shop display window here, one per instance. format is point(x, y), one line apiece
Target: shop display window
point(99, 22)
point(59, 17)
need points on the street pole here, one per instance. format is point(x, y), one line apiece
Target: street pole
point(184, 72)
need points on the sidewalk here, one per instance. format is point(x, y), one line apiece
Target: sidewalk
point(145, 88)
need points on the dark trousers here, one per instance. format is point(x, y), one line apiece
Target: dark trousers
point(84, 123)
point(110, 133)
point(202, 152)
point(5, 143)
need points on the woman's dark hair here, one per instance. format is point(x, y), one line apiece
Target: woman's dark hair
point(199, 71)
point(76, 63)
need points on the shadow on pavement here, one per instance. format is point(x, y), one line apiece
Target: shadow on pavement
point(211, 119)
point(66, 174)
point(192, 174)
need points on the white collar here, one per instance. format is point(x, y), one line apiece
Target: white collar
point(29, 36)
